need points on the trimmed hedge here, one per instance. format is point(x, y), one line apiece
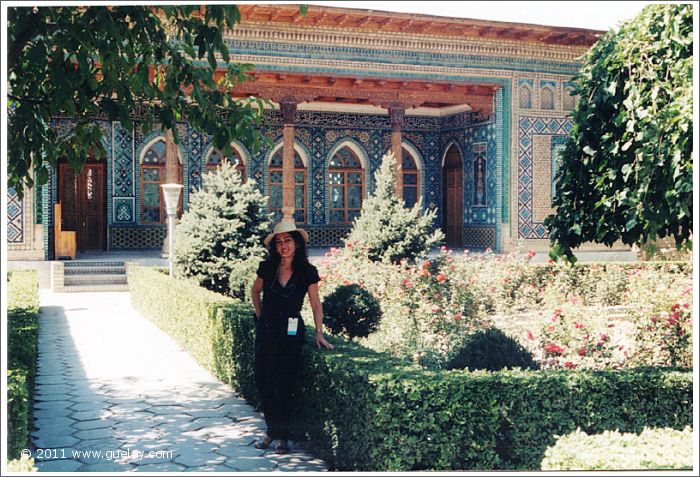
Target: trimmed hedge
point(613, 450)
point(22, 334)
point(362, 410)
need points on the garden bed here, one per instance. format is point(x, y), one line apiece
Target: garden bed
point(364, 410)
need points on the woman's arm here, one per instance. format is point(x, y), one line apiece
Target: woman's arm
point(317, 309)
point(255, 296)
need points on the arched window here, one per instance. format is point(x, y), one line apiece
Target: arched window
point(152, 176)
point(410, 179)
point(525, 97)
point(215, 160)
point(569, 101)
point(346, 186)
point(547, 98)
point(275, 187)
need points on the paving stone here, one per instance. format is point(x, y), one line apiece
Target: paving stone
point(64, 465)
point(60, 422)
point(237, 449)
point(208, 468)
point(252, 464)
point(112, 466)
point(197, 459)
point(204, 413)
point(162, 410)
point(163, 467)
point(52, 405)
point(91, 415)
point(96, 451)
point(94, 433)
point(51, 413)
point(50, 379)
point(51, 397)
point(90, 406)
point(53, 441)
point(129, 408)
point(94, 424)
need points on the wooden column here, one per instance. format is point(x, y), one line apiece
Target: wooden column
point(397, 113)
point(171, 175)
point(288, 107)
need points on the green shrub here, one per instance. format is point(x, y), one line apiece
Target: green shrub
point(388, 231)
point(352, 311)
point(652, 449)
point(363, 410)
point(22, 334)
point(219, 240)
point(492, 350)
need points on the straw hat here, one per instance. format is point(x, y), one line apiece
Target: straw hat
point(282, 227)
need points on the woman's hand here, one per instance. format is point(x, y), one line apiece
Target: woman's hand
point(321, 341)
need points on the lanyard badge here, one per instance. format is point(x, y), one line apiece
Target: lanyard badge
point(292, 325)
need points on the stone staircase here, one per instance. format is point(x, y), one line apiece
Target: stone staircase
point(88, 276)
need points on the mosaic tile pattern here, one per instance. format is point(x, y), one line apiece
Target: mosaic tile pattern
point(480, 145)
point(529, 127)
point(316, 136)
point(39, 202)
point(403, 56)
point(15, 217)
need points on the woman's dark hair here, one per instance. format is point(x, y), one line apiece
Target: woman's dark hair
point(300, 255)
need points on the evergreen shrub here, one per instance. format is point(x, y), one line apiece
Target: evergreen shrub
point(219, 239)
point(387, 230)
point(352, 311)
point(491, 349)
point(652, 449)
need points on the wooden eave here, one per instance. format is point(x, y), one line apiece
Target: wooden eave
point(381, 92)
point(419, 24)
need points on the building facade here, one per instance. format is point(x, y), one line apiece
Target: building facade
point(479, 110)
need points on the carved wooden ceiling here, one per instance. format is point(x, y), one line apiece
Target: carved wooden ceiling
point(367, 91)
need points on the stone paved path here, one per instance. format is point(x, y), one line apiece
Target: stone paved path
point(114, 393)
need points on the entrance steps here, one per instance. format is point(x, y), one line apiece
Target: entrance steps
point(88, 276)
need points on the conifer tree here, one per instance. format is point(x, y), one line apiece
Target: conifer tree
point(219, 240)
point(386, 230)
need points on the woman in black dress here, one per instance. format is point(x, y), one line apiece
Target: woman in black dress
point(284, 279)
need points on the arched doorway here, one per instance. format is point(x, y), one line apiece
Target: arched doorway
point(452, 197)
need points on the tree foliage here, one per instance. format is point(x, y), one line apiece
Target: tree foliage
point(104, 61)
point(219, 240)
point(626, 170)
point(386, 229)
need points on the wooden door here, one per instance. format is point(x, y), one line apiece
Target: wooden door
point(452, 198)
point(82, 198)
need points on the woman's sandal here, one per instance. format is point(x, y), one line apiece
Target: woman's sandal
point(264, 444)
point(282, 448)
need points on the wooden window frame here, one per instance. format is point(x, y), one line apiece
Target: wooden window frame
point(415, 172)
point(345, 185)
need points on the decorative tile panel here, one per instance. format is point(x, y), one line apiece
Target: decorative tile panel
point(15, 217)
point(536, 136)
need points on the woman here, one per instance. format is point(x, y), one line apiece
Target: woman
point(284, 279)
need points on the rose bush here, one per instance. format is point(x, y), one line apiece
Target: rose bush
point(431, 308)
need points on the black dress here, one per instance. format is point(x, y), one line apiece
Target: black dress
point(278, 354)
